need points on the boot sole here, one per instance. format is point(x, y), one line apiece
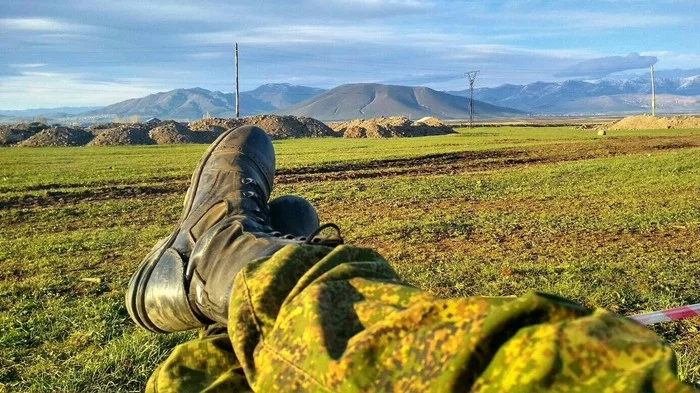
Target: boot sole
point(135, 294)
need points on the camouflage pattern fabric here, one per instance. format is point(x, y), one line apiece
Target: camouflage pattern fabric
point(316, 319)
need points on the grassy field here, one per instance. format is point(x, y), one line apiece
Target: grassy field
point(609, 221)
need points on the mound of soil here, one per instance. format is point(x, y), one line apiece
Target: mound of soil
point(391, 127)
point(171, 132)
point(159, 132)
point(430, 121)
point(153, 122)
point(278, 127)
point(428, 126)
point(9, 135)
point(216, 125)
point(647, 122)
point(123, 134)
point(58, 136)
point(317, 128)
point(96, 128)
point(285, 127)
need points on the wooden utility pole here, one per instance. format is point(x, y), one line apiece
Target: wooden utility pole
point(237, 96)
point(653, 93)
point(471, 75)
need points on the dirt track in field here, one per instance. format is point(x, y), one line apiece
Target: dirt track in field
point(435, 164)
point(472, 161)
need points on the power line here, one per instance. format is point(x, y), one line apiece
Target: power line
point(237, 95)
point(471, 75)
point(653, 93)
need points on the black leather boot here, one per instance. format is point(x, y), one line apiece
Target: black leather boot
point(185, 281)
point(293, 216)
point(233, 180)
point(290, 215)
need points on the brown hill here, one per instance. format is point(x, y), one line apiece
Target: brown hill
point(372, 100)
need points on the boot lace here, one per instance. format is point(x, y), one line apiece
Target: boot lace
point(314, 238)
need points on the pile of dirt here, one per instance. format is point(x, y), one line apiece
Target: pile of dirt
point(160, 132)
point(430, 121)
point(97, 128)
point(58, 136)
point(391, 127)
point(122, 134)
point(171, 132)
point(285, 127)
point(9, 135)
point(428, 126)
point(317, 128)
point(215, 124)
point(277, 127)
point(647, 122)
point(153, 122)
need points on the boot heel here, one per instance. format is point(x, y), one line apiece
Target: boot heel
point(161, 305)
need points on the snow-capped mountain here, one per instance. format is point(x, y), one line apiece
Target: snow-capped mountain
point(677, 92)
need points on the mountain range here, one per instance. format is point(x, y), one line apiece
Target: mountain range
point(345, 102)
point(61, 111)
point(675, 94)
point(188, 104)
point(678, 91)
point(368, 100)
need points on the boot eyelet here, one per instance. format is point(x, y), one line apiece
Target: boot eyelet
point(302, 239)
point(276, 234)
point(249, 194)
point(288, 237)
point(247, 180)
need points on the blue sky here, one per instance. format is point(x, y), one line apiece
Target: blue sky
point(97, 52)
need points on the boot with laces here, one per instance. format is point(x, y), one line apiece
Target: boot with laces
point(184, 282)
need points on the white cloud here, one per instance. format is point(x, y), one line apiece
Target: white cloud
point(610, 20)
point(373, 6)
point(281, 34)
point(28, 65)
point(546, 20)
point(40, 24)
point(669, 59)
point(50, 89)
point(602, 66)
point(206, 55)
point(158, 10)
point(477, 51)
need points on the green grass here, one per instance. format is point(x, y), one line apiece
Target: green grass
point(618, 231)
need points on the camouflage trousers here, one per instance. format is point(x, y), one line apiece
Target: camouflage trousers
point(316, 319)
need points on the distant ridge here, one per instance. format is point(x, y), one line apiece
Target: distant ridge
point(66, 110)
point(184, 104)
point(368, 100)
point(678, 92)
point(190, 104)
point(283, 95)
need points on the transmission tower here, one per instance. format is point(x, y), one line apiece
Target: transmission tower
point(236, 67)
point(471, 75)
point(653, 93)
